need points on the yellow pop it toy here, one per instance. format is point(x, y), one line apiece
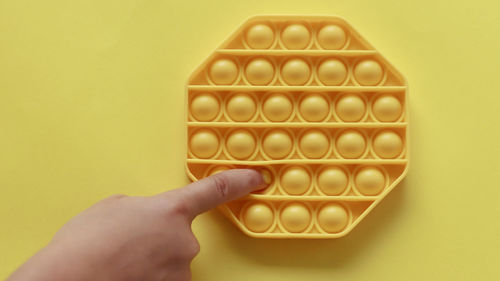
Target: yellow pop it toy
point(316, 108)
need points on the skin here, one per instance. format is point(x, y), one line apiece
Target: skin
point(136, 238)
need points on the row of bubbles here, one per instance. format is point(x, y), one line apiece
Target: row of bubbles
point(296, 217)
point(305, 107)
point(322, 180)
point(296, 71)
point(245, 144)
point(296, 36)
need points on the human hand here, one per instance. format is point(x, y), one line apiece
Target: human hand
point(136, 238)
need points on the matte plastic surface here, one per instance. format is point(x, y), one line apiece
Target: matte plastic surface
point(315, 107)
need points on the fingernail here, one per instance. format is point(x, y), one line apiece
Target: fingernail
point(266, 176)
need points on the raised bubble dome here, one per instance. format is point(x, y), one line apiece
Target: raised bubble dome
point(204, 143)
point(314, 108)
point(368, 73)
point(277, 108)
point(295, 72)
point(296, 36)
point(351, 144)
point(260, 36)
point(350, 108)
point(217, 170)
point(333, 181)
point(332, 37)
point(224, 72)
point(295, 217)
point(332, 72)
point(314, 144)
point(387, 144)
point(308, 103)
point(259, 72)
point(333, 218)
point(258, 217)
point(240, 144)
point(204, 107)
point(295, 180)
point(241, 107)
point(370, 181)
point(387, 108)
point(277, 144)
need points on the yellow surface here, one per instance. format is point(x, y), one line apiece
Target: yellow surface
point(91, 104)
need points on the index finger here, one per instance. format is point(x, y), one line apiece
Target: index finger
point(218, 189)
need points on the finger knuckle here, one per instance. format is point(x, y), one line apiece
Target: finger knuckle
point(221, 184)
point(117, 196)
point(112, 198)
point(192, 248)
point(180, 207)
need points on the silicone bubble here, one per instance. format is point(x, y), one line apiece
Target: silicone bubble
point(260, 36)
point(333, 181)
point(204, 143)
point(387, 144)
point(332, 72)
point(217, 170)
point(351, 144)
point(224, 72)
point(333, 218)
point(332, 37)
point(277, 144)
point(295, 180)
point(370, 181)
point(308, 103)
point(241, 107)
point(314, 108)
point(368, 73)
point(277, 108)
point(240, 144)
point(295, 72)
point(258, 217)
point(296, 36)
point(295, 217)
point(387, 108)
point(259, 72)
point(204, 107)
point(350, 108)
point(314, 144)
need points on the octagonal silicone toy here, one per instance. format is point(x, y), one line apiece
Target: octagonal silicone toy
point(310, 103)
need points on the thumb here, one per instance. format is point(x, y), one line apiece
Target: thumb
point(208, 193)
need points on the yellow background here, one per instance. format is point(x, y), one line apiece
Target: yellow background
point(91, 104)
